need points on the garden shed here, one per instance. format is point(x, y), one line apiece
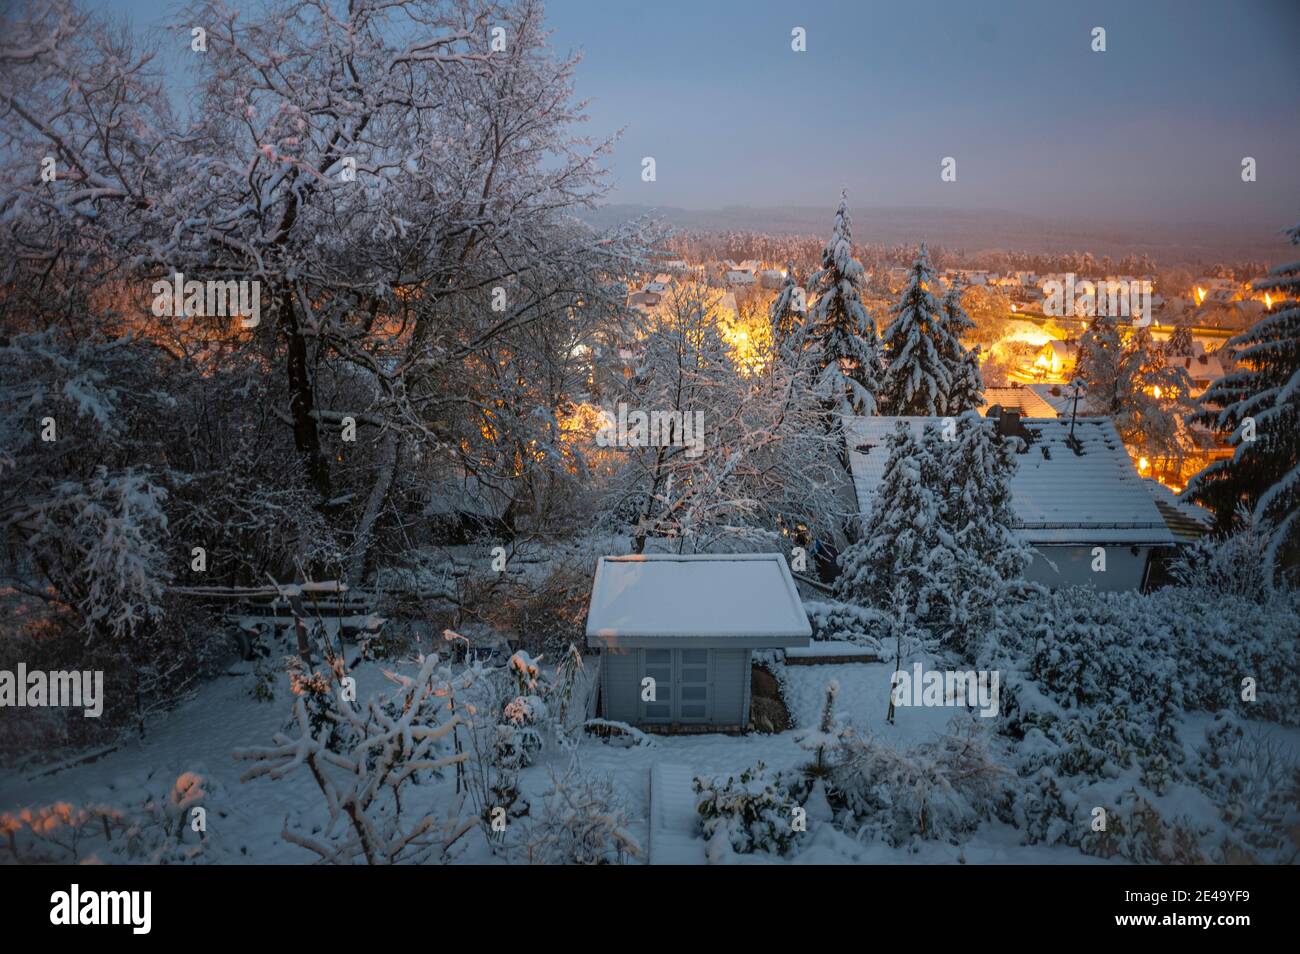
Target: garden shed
point(688, 624)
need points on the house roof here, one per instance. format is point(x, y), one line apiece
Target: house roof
point(1059, 497)
point(1017, 398)
point(1186, 521)
point(697, 600)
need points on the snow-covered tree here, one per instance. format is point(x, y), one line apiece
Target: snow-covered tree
point(841, 330)
point(1126, 379)
point(918, 353)
point(784, 315)
point(375, 814)
point(904, 541)
point(751, 456)
point(940, 535)
point(1180, 342)
point(1259, 403)
point(966, 385)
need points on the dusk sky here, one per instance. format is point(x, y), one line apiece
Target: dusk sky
point(1153, 130)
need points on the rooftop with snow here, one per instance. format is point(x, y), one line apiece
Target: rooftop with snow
point(698, 600)
point(1089, 493)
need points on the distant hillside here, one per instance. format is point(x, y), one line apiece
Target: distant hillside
point(981, 231)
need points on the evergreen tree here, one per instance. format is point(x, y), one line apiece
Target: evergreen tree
point(977, 502)
point(1180, 342)
point(966, 390)
point(840, 327)
point(941, 531)
point(917, 377)
point(784, 317)
point(901, 543)
point(1259, 403)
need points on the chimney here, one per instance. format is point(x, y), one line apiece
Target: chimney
point(1009, 426)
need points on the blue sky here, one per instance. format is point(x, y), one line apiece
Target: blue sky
point(1152, 130)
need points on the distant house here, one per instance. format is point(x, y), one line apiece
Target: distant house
point(1068, 499)
point(689, 625)
point(659, 284)
point(645, 301)
point(1018, 398)
point(737, 276)
point(1057, 358)
point(771, 277)
point(1202, 367)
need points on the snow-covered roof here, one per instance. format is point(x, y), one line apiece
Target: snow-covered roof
point(698, 600)
point(1017, 398)
point(1060, 498)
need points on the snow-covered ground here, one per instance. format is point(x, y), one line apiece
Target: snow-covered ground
point(201, 735)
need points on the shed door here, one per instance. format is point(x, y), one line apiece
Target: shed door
point(693, 696)
point(658, 664)
point(683, 685)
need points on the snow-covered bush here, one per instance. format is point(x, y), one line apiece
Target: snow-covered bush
point(581, 821)
point(1137, 831)
point(1255, 785)
point(755, 812)
point(374, 816)
point(825, 737)
point(1234, 565)
point(847, 622)
point(937, 790)
point(168, 825)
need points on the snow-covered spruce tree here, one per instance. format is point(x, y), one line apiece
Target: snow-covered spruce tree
point(918, 354)
point(966, 387)
point(989, 557)
point(1259, 403)
point(1128, 381)
point(840, 328)
point(940, 532)
point(783, 315)
point(1180, 342)
point(904, 539)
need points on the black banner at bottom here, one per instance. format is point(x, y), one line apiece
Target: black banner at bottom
point(219, 904)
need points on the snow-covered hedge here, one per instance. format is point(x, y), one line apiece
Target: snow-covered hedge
point(846, 622)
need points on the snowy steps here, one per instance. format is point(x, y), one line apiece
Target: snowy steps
point(673, 816)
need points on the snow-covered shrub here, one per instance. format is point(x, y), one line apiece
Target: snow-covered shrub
point(581, 821)
point(1213, 645)
point(1234, 565)
point(847, 622)
point(546, 615)
point(319, 690)
point(168, 825)
point(1138, 832)
point(616, 733)
point(755, 812)
point(825, 737)
point(375, 816)
point(264, 680)
point(936, 790)
point(1255, 785)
